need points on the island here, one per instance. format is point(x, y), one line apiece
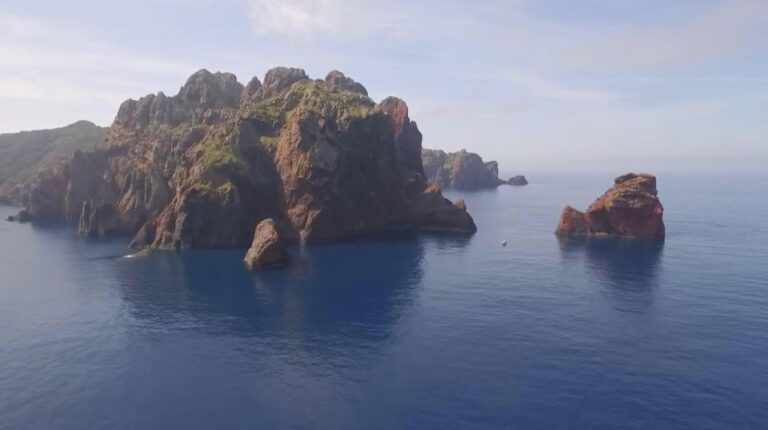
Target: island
point(461, 170)
point(631, 209)
point(319, 158)
point(518, 181)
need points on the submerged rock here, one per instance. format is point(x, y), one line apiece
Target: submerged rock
point(631, 208)
point(519, 181)
point(267, 250)
point(204, 167)
point(460, 170)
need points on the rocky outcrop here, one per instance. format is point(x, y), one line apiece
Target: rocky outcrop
point(47, 200)
point(518, 181)
point(631, 208)
point(204, 167)
point(280, 79)
point(460, 170)
point(267, 250)
point(336, 79)
point(572, 223)
point(433, 212)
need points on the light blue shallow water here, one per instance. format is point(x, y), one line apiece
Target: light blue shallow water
point(434, 333)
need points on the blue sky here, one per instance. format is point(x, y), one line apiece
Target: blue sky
point(535, 84)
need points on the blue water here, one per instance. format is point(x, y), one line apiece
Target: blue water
point(416, 333)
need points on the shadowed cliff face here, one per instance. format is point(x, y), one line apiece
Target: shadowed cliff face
point(460, 170)
point(202, 168)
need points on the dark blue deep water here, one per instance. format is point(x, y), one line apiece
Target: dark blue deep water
point(411, 333)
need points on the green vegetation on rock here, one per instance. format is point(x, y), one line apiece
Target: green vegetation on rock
point(315, 97)
point(26, 153)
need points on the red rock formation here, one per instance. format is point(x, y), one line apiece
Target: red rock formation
point(204, 167)
point(572, 223)
point(267, 250)
point(631, 208)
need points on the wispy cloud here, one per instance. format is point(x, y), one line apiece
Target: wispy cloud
point(43, 63)
point(708, 35)
point(541, 87)
point(300, 18)
point(11, 25)
point(497, 75)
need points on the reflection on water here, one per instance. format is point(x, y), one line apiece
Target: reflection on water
point(431, 332)
point(355, 292)
point(626, 269)
point(448, 243)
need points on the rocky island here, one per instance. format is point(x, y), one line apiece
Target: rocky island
point(460, 170)
point(518, 181)
point(204, 167)
point(631, 208)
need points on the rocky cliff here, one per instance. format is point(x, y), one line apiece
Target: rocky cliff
point(631, 208)
point(460, 170)
point(24, 155)
point(204, 167)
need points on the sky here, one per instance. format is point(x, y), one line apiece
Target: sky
point(535, 84)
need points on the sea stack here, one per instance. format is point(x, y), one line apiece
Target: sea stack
point(267, 250)
point(631, 209)
point(518, 181)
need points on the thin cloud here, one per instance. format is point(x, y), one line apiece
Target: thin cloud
point(52, 90)
point(296, 17)
point(539, 86)
point(12, 25)
point(710, 35)
point(44, 67)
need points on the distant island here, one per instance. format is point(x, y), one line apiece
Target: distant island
point(204, 167)
point(464, 170)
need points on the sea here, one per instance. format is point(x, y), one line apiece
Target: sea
point(404, 331)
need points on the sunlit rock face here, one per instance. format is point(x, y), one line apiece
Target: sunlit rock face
point(204, 167)
point(631, 208)
point(267, 250)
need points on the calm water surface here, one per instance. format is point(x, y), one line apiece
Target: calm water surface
point(417, 333)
